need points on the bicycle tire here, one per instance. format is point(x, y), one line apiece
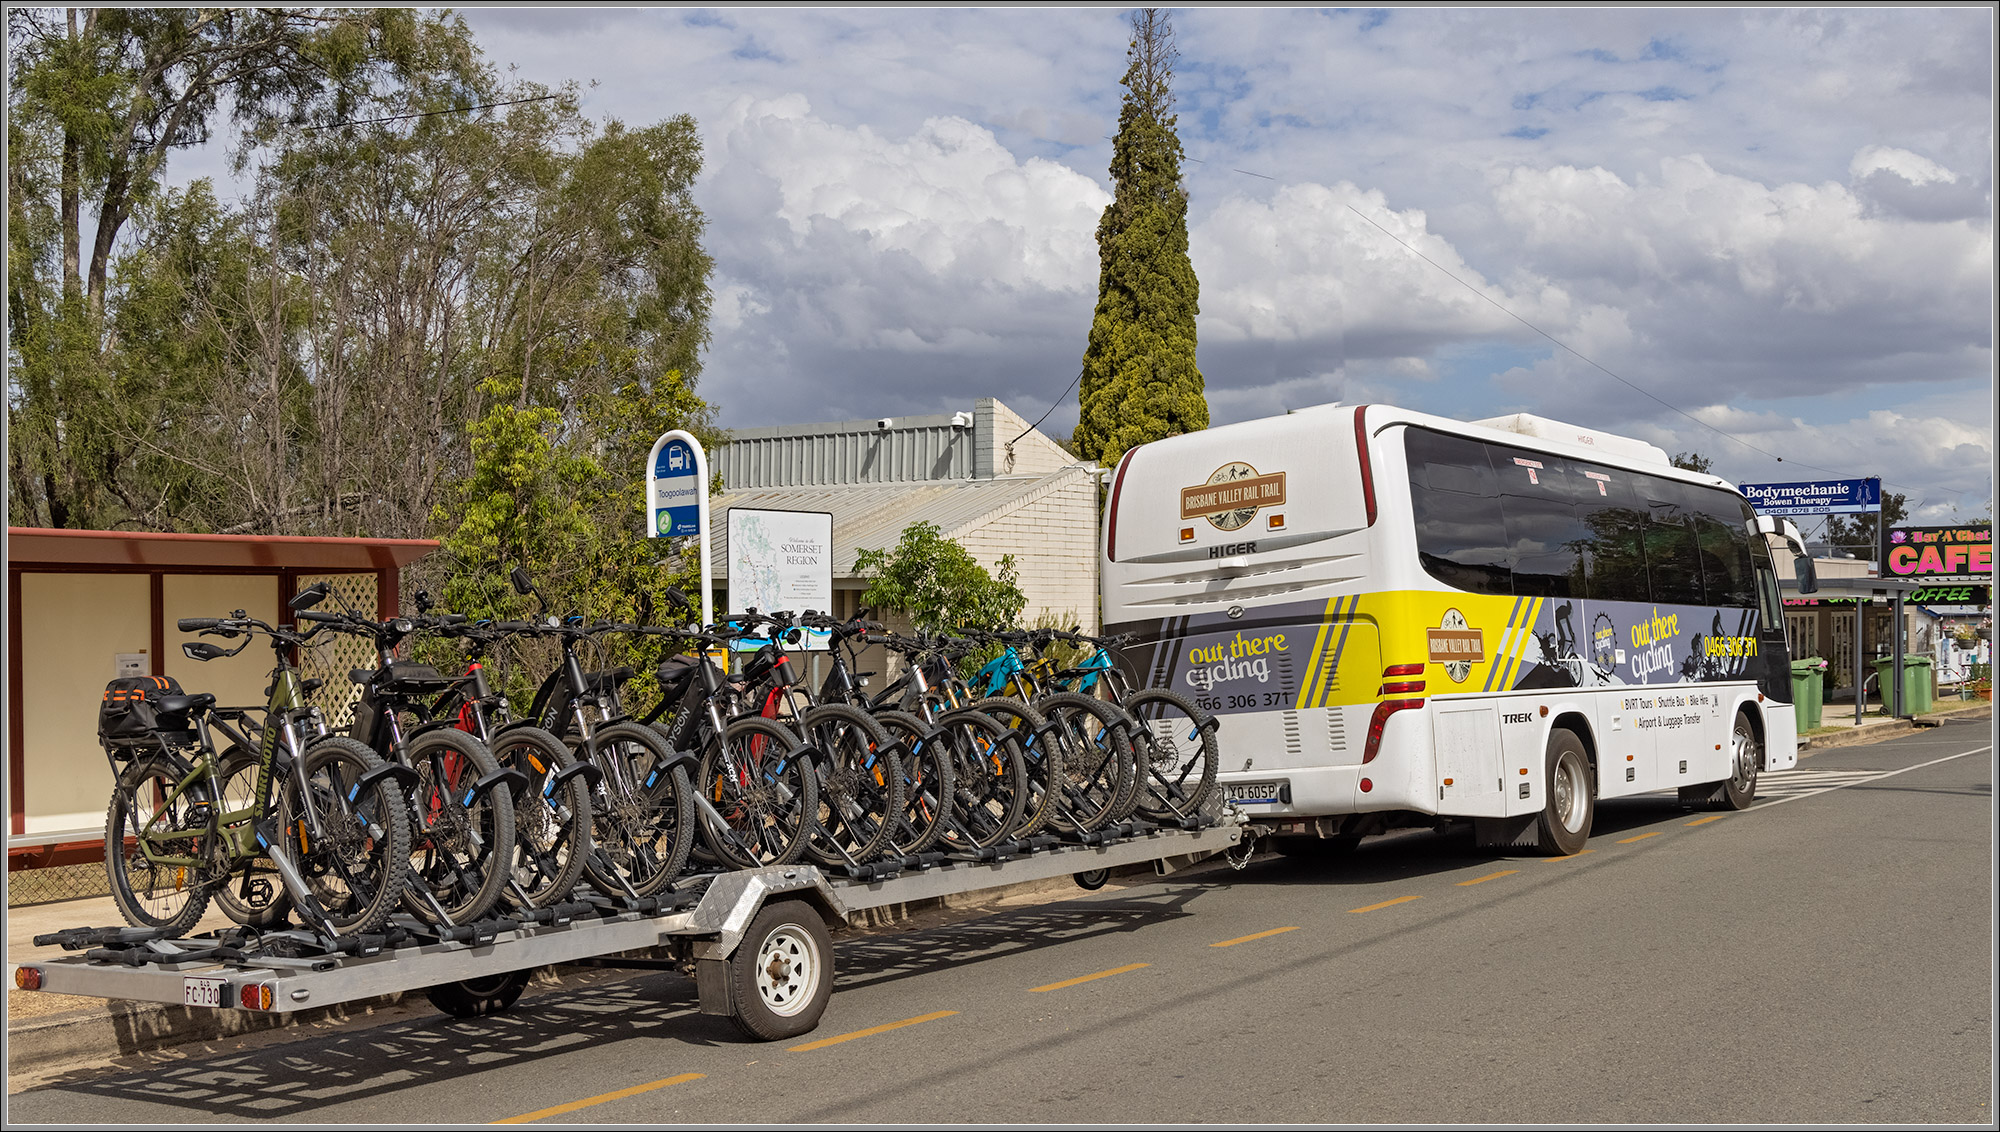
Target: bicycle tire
point(1040, 752)
point(992, 778)
point(767, 800)
point(930, 781)
point(461, 846)
point(1097, 762)
point(551, 826)
point(358, 865)
point(860, 787)
point(166, 897)
point(1176, 754)
point(253, 894)
point(644, 816)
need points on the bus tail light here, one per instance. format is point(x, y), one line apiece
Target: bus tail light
point(1380, 720)
point(1367, 472)
point(1400, 686)
point(1111, 526)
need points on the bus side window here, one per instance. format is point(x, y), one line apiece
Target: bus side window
point(1544, 535)
point(1614, 549)
point(1461, 535)
point(1673, 557)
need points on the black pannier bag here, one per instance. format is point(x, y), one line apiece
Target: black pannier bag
point(131, 715)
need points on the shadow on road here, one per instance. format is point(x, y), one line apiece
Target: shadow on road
point(303, 1076)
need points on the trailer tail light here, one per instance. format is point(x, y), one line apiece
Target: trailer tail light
point(28, 978)
point(1380, 720)
point(1111, 526)
point(256, 996)
point(1367, 471)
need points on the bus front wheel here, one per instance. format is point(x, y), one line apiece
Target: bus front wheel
point(1571, 797)
point(1737, 791)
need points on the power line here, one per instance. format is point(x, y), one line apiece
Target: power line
point(1052, 407)
point(432, 113)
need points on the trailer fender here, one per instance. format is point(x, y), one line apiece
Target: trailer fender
point(734, 899)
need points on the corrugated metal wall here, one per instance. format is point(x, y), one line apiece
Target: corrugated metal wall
point(921, 450)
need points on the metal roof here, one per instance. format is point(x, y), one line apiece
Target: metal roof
point(872, 516)
point(144, 549)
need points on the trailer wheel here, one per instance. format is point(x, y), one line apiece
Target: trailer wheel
point(476, 998)
point(782, 972)
point(1090, 880)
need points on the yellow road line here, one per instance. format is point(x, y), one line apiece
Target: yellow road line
point(1088, 978)
point(1641, 837)
point(1385, 904)
point(1487, 877)
point(1257, 935)
point(600, 1098)
point(1571, 857)
point(1709, 818)
point(873, 1030)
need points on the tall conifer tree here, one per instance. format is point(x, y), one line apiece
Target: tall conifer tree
point(1140, 381)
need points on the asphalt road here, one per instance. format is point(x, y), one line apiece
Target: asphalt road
point(1824, 957)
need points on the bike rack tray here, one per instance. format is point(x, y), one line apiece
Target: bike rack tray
point(137, 965)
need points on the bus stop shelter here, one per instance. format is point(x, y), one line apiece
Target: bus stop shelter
point(1862, 593)
point(84, 607)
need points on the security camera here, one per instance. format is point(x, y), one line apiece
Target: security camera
point(961, 420)
point(885, 424)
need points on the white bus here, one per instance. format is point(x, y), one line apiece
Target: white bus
point(1401, 618)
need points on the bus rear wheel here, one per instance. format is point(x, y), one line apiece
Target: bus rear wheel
point(1571, 796)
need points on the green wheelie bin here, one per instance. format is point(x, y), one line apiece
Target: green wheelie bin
point(1808, 691)
point(1916, 682)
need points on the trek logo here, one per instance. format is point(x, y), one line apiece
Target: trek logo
point(1516, 717)
point(1231, 550)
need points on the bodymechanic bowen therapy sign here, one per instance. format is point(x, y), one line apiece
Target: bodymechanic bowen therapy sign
point(1814, 497)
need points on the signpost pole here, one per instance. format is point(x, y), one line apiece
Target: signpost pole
point(677, 501)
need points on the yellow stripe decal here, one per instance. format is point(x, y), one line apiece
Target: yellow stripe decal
point(1312, 664)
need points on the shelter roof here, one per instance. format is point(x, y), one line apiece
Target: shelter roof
point(141, 550)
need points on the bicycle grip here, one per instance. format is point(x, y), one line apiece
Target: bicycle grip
point(321, 618)
point(196, 624)
point(452, 619)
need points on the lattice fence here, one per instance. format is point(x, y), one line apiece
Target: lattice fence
point(333, 655)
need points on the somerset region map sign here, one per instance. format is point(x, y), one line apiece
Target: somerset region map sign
point(781, 561)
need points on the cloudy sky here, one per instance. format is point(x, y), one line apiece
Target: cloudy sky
point(1777, 222)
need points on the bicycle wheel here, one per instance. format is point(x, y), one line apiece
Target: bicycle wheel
point(254, 894)
point(357, 863)
point(167, 895)
point(929, 781)
point(1039, 750)
point(860, 785)
point(1176, 755)
point(992, 780)
point(551, 825)
point(1096, 761)
point(644, 811)
point(462, 845)
point(765, 794)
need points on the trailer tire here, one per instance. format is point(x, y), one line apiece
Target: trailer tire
point(782, 972)
point(476, 998)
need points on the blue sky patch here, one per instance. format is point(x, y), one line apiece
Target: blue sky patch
point(1665, 94)
point(1526, 133)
